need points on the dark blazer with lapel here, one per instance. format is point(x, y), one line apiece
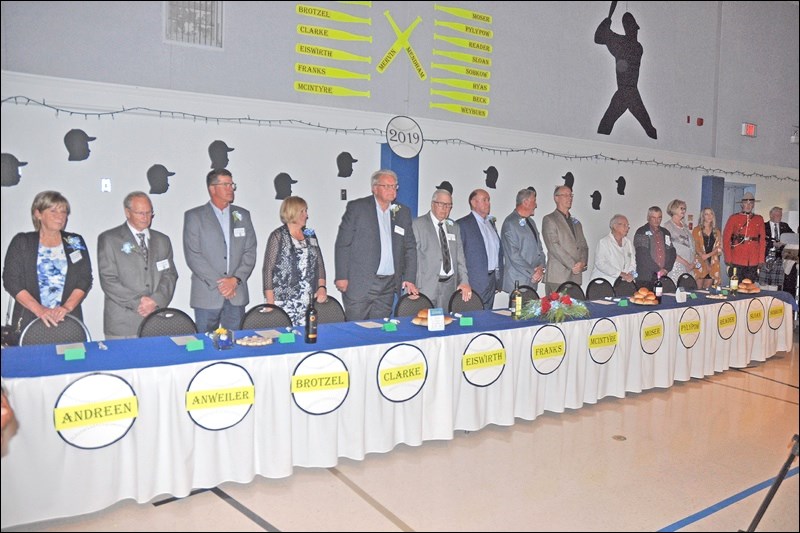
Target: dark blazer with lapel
point(475, 255)
point(358, 247)
point(20, 271)
point(125, 277)
point(204, 249)
point(783, 227)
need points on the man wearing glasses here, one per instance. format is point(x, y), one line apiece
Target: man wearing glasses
point(376, 252)
point(219, 243)
point(441, 267)
point(567, 250)
point(744, 240)
point(136, 269)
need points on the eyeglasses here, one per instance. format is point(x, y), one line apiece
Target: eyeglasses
point(143, 213)
point(231, 185)
point(388, 185)
point(443, 204)
point(566, 194)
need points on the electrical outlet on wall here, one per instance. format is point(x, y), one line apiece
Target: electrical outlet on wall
point(105, 185)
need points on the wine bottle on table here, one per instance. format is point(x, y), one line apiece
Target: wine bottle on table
point(311, 322)
point(515, 302)
point(658, 287)
point(734, 281)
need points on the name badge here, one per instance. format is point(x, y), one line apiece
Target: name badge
point(451, 237)
point(667, 240)
point(399, 230)
point(75, 256)
point(238, 232)
point(163, 265)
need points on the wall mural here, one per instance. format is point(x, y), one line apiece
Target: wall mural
point(77, 143)
point(620, 186)
point(283, 185)
point(218, 152)
point(10, 170)
point(158, 177)
point(344, 163)
point(596, 199)
point(491, 177)
point(447, 186)
point(569, 180)
point(627, 52)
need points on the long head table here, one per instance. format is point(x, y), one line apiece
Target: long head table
point(144, 417)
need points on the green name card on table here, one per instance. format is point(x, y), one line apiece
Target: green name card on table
point(194, 345)
point(623, 302)
point(724, 292)
point(286, 338)
point(73, 354)
point(693, 296)
point(465, 321)
point(389, 326)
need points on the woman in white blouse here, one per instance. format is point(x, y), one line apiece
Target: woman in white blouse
point(615, 257)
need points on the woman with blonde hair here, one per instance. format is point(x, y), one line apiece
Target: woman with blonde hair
point(708, 244)
point(681, 239)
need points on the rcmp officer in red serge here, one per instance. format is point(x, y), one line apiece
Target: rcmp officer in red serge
point(744, 240)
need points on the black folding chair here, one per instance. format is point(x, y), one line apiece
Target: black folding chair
point(458, 305)
point(264, 316)
point(330, 311)
point(410, 305)
point(599, 288)
point(624, 288)
point(687, 282)
point(71, 329)
point(668, 284)
point(167, 321)
point(528, 293)
point(572, 289)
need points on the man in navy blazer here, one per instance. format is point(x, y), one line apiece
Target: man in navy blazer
point(136, 279)
point(219, 244)
point(376, 253)
point(482, 249)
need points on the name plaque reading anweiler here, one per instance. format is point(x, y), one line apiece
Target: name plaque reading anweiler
point(95, 411)
point(402, 372)
point(484, 360)
point(320, 383)
point(219, 396)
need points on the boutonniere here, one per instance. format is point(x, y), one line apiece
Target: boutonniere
point(127, 248)
point(308, 232)
point(237, 216)
point(394, 208)
point(522, 223)
point(648, 233)
point(491, 218)
point(575, 221)
point(74, 243)
point(449, 221)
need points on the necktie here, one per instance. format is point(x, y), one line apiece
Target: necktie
point(775, 230)
point(143, 244)
point(532, 229)
point(446, 265)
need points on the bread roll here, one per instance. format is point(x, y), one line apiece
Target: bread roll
point(422, 313)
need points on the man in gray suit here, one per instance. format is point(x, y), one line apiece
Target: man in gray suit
point(376, 253)
point(523, 253)
point(219, 243)
point(441, 267)
point(137, 272)
point(567, 251)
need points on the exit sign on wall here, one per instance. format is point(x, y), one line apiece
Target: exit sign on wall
point(748, 129)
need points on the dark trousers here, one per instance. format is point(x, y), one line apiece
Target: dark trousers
point(376, 304)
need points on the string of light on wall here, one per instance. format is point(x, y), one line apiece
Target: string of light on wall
point(24, 100)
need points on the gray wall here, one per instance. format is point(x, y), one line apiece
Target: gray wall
point(725, 62)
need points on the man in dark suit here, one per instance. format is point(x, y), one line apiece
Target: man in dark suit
point(376, 253)
point(482, 249)
point(773, 272)
point(655, 253)
point(219, 244)
point(441, 268)
point(137, 272)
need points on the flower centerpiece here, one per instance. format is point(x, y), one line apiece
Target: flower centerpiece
point(555, 308)
point(223, 338)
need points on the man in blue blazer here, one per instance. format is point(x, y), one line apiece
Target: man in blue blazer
point(376, 253)
point(219, 244)
point(483, 251)
point(523, 249)
point(137, 272)
point(438, 276)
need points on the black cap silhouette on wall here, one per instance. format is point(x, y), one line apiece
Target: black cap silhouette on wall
point(344, 162)
point(77, 143)
point(9, 169)
point(283, 185)
point(218, 152)
point(158, 177)
point(596, 199)
point(621, 185)
point(491, 177)
point(569, 180)
point(447, 186)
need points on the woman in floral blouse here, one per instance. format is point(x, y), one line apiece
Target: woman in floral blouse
point(47, 271)
point(293, 267)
